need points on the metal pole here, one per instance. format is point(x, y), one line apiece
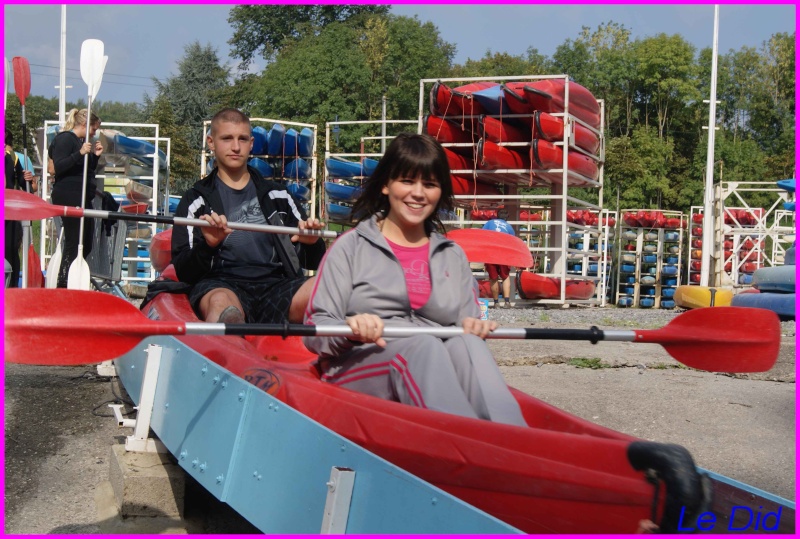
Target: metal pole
point(62, 88)
point(708, 200)
point(383, 122)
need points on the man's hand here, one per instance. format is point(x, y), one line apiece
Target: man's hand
point(309, 224)
point(215, 234)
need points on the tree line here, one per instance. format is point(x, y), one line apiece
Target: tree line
point(324, 62)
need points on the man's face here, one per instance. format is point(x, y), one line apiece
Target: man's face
point(231, 143)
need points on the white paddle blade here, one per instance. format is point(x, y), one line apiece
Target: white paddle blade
point(78, 276)
point(54, 266)
point(98, 79)
point(91, 60)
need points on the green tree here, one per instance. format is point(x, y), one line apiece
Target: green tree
point(195, 93)
point(668, 77)
point(266, 29)
point(184, 167)
point(343, 70)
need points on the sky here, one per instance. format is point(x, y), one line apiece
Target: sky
point(143, 41)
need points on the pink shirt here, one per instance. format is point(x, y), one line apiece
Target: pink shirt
point(414, 261)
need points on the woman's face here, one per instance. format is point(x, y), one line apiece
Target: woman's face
point(93, 129)
point(412, 200)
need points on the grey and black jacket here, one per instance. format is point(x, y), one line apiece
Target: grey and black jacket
point(361, 274)
point(193, 257)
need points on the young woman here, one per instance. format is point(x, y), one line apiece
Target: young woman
point(395, 268)
point(67, 152)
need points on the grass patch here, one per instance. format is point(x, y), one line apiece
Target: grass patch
point(587, 363)
point(544, 317)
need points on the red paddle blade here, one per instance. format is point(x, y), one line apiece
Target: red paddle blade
point(721, 339)
point(22, 78)
point(491, 247)
point(22, 206)
point(74, 327)
point(35, 277)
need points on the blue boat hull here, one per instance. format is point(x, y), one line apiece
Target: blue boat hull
point(338, 212)
point(781, 304)
point(341, 191)
point(340, 168)
point(297, 169)
point(776, 279)
point(275, 140)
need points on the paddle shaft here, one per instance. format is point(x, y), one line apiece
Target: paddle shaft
point(183, 221)
point(301, 330)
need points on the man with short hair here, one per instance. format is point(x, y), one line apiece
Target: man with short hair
point(239, 275)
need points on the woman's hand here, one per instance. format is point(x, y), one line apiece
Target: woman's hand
point(310, 224)
point(98, 149)
point(481, 328)
point(86, 147)
point(215, 234)
point(367, 328)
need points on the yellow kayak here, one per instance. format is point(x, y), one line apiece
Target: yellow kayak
point(694, 296)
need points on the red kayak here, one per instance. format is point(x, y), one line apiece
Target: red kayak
point(548, 96)
point(447, 131)
point(161, 250)
point(460, 162)
point(544, 126)
point(534, 286)
point(446, 101)
point(466, 186)
point(546, 155)
point(561, 474)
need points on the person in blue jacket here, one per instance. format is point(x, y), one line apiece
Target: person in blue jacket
point(396, 268)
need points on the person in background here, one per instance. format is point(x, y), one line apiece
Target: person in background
point(395, 268)
point(498, 273)
point(16, 178)
point(240, 276)
point(68, 151)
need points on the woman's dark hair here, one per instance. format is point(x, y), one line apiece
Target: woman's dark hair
point(408, 156)
point(9, 137)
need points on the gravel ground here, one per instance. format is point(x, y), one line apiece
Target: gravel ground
point(57, 444)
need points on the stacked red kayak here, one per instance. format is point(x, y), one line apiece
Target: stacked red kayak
point(512, 130)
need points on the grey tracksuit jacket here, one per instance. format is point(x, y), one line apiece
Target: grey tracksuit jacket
point(360, 274)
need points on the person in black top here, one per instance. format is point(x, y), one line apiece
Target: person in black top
point(240, 275)
point(16, 176)
point(67, 152)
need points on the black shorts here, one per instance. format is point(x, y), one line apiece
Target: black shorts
point(264, 302)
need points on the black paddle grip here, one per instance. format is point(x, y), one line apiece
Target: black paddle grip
point(593, 334)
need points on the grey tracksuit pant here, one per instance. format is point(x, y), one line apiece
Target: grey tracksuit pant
point(457, 376)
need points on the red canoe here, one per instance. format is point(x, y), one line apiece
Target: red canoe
point(561, 474)
point(534, 286)
point(467, 186)
point(459, 162)
point(161, 250)
point(548, 96)
point(446, 101)
point(546, 155)
point(447, 131)
point(544, 126)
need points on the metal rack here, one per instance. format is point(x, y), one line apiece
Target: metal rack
point(649, 259)
point(113, 178)
point(555, 251)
